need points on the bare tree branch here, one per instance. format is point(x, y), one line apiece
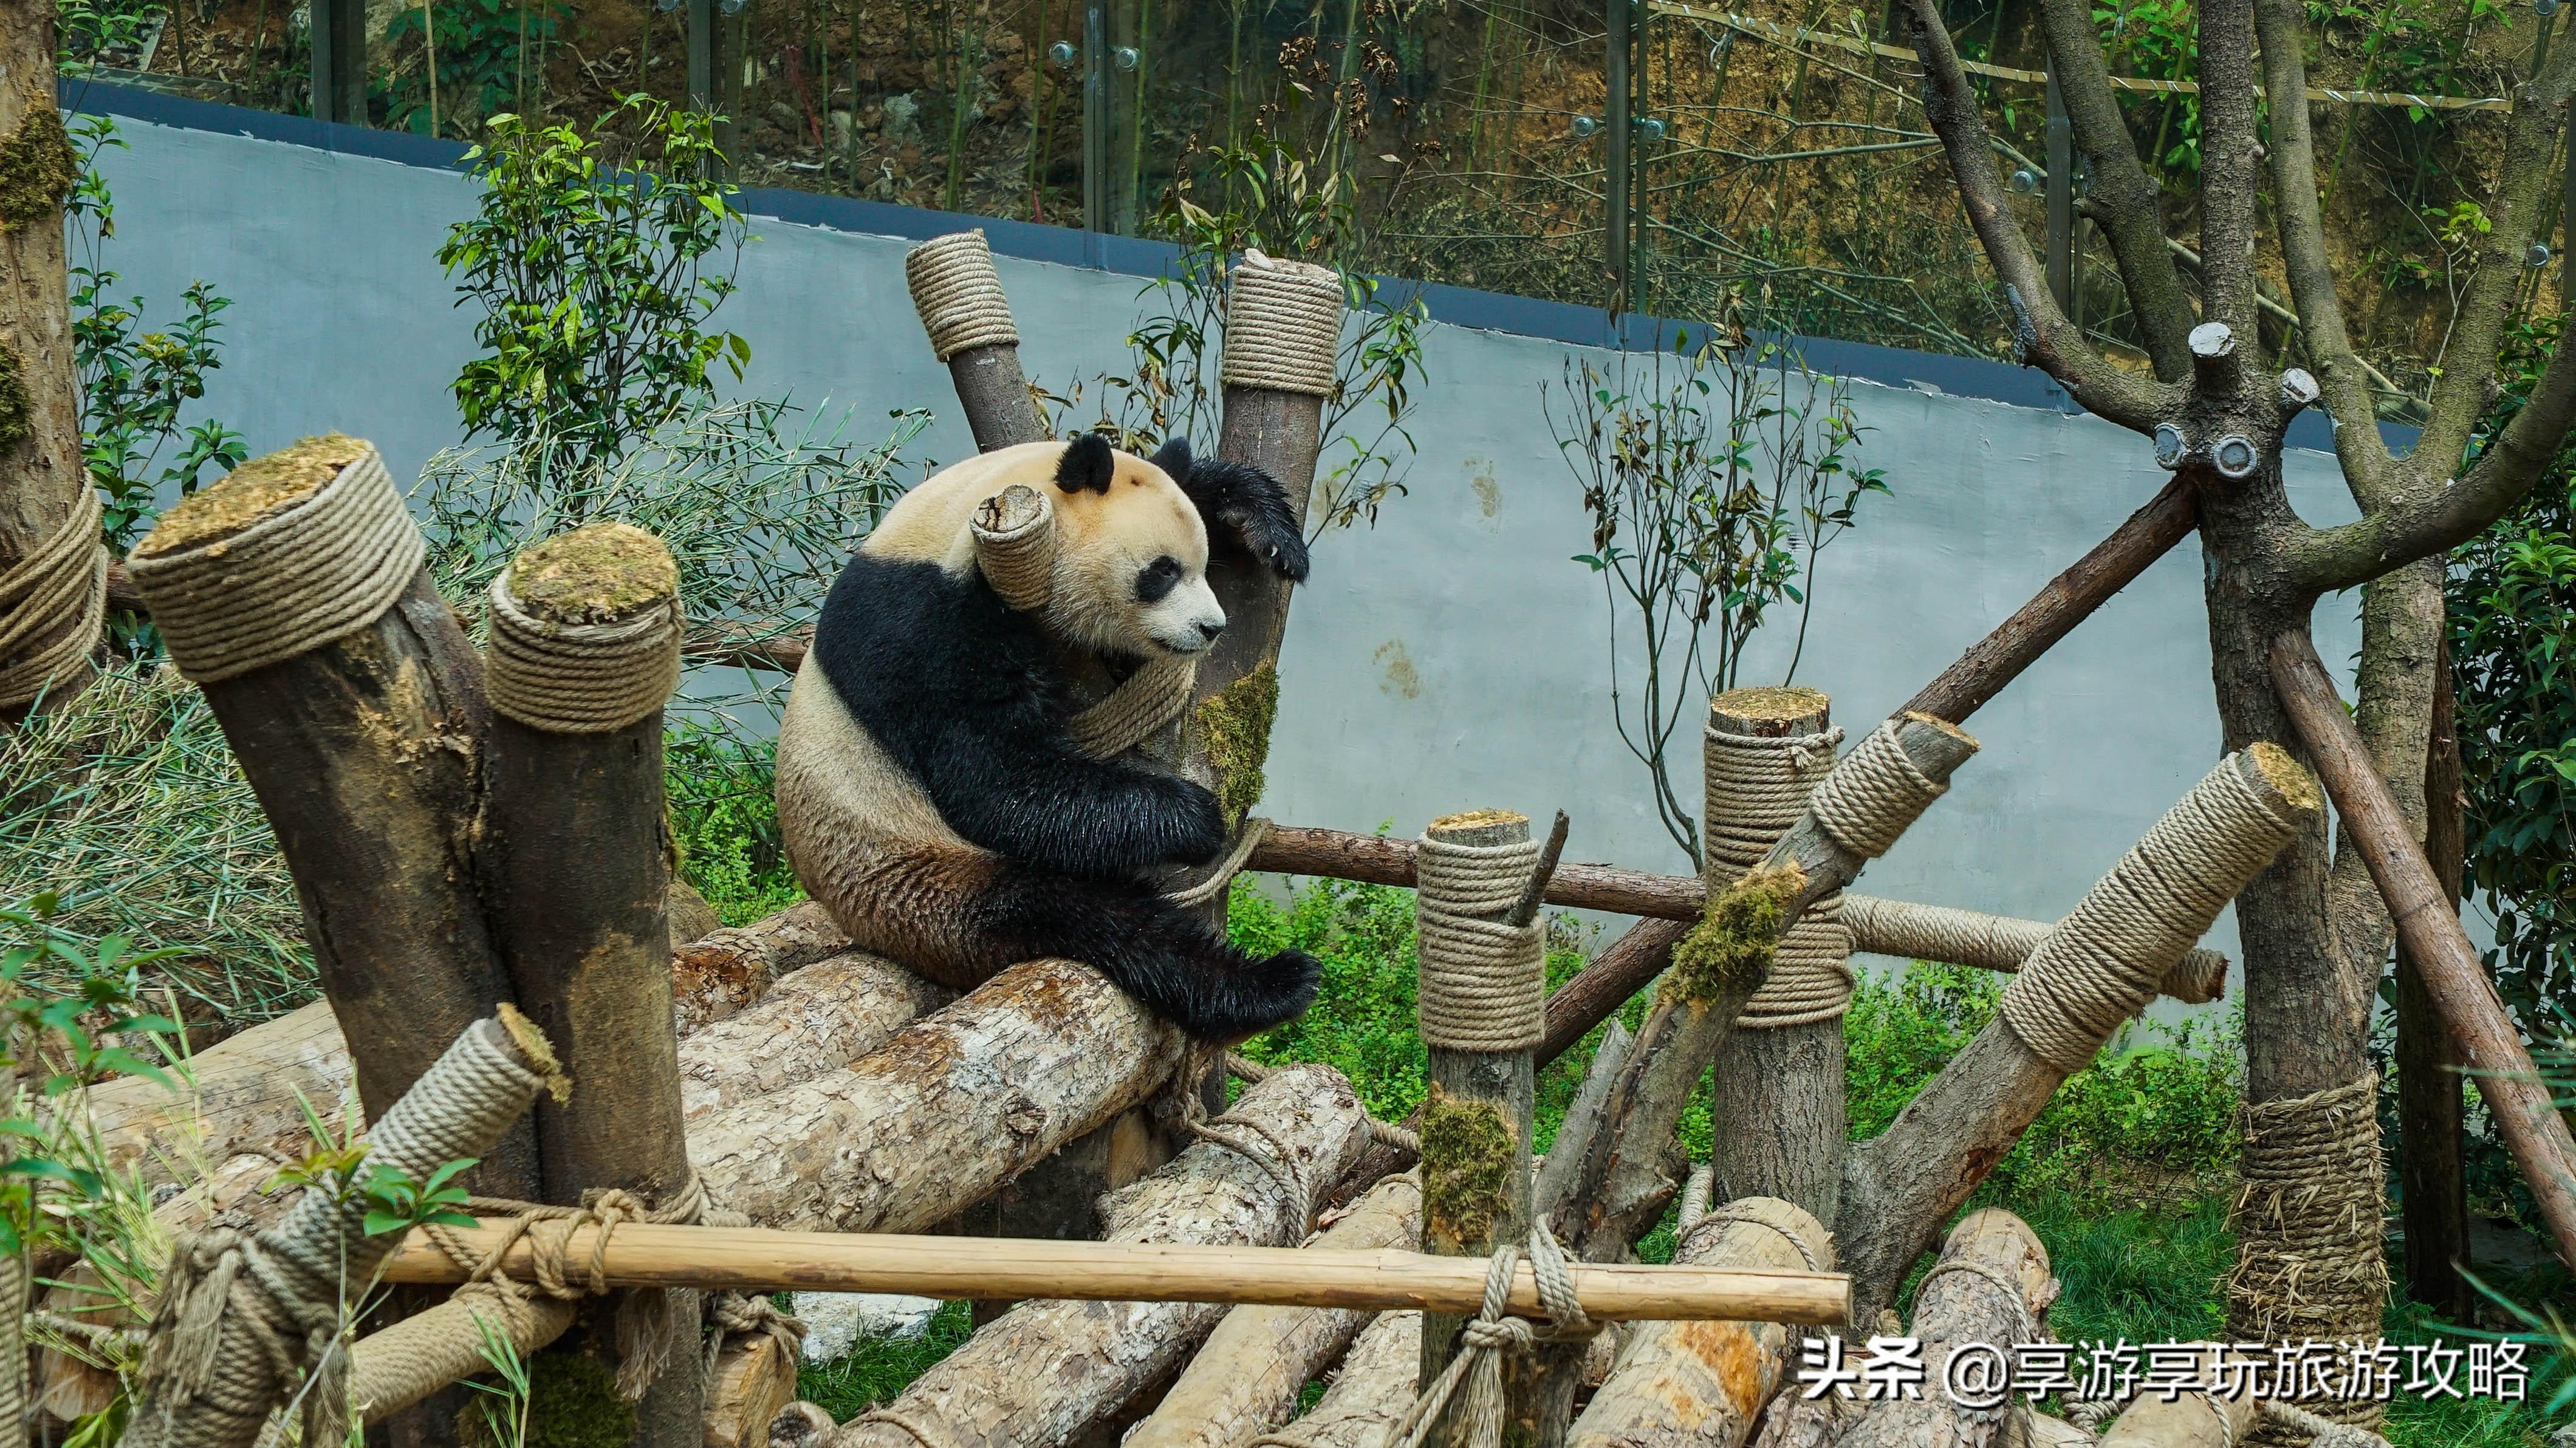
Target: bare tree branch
point(2230, 180)
point(2123, 196)
point(2434, 516)
point(2342, 376)
point(2043, 337)
point(2462, 388)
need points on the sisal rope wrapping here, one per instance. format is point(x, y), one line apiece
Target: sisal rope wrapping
point(60, 585)
point(406, 1362)
point(310, 574)
point(1148, 699)
point(580, 678)
point(238, 1314)
point(2308, 1218)
point(1484, 982)
point(1995, 942)
point(1283, 326)
point(1019, 560)
point(1756, 789)
point(1874, 795)
point(959, 294)
point(2109, 956)
point(1473, 1380)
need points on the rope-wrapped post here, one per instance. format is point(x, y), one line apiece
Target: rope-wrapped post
point(53, 602)
point(1779, 1084)
point(293, 593)
point(240, 1316)
point(968, 320)
point(2097, 968)
point(575, 857)
point(1482, 1002)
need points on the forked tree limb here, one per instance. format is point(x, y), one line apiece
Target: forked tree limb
point(2490, 1047)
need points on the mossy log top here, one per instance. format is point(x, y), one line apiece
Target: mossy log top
point(252, 493)
point(600, 573)
point(1771, 702)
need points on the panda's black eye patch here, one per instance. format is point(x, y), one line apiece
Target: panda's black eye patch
point(1158, 579)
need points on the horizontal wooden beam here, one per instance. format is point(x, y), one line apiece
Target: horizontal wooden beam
point(746, 1259)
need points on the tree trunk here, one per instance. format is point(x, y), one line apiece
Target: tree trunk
point(754, 1379)
point(950, 1108)
point(813, 1023)
point(716, 976)
point(1044, 1373)
point(44, 481)
point(365, 754)
point(1964, 1302)
point(1371, 1392)
point(1248, 1375)
point(1704, 1384)
point(2431, 1119)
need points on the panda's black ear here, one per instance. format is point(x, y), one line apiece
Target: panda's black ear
point(1173, 457)
point(1086, 464)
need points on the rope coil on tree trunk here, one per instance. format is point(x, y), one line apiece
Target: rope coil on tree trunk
point(315, 571)
point(60, 584)
point(2109, 956)
point(1995, 942)
point(1874, 795)
point(959, 294)
point(1283, 326)
point(1483, 982)
point(577, 677)
point(1757, 788)
point(1748, 1213)
point(2309, 1212)
point(1017, 558)
point(1478, 1367)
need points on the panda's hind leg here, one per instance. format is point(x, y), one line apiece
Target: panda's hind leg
point(1174, 963)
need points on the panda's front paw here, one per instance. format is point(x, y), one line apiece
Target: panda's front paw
point(1286, 554)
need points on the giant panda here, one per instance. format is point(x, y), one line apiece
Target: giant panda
point(927, 790)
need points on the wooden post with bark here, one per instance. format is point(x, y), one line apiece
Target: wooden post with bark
point(575, 852)
point(2432, 1128)
point(959, 296)
point(53, 579)
point(294, 594)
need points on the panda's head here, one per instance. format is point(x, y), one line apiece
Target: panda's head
point(1131, 555)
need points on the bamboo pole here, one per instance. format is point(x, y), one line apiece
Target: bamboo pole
point(2428, 925)
point(749, 1259)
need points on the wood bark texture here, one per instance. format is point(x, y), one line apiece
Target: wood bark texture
point(2431, 1112)
point(1248, 1375)
point(2191, 1420)
point(1991, 1286)
point(722, 973)
point(1045, 1373)
point(1373, 1389)
point(1704, 1384)
point(753, 1382)
point(994, 394)
point(950, 1108)
point(811, 1024)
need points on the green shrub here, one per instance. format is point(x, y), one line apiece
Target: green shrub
point(724, 818)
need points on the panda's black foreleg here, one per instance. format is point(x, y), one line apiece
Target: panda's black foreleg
point(1174, 963)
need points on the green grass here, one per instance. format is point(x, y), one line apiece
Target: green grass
point(879, 1368)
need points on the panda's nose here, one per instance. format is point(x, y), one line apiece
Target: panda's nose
point(1209, 631)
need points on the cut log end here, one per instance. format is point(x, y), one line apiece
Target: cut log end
point(1761, 711)
point(259, 489)
point(2287, 783)
point(602, 573)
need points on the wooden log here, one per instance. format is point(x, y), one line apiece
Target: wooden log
point(2188, 1420)
point(753, 1259)
point(811, 1024)
point(959, 298)
point(1249, 1374)
point(2431, 1112)
point(753, 1381)
point(1778, 1089)
point(1477, 1138)
point(1583, 1115)
point(937, 1117)
point(2029, 1428)
point(1368, 1395)
point(574, 856)
point(1963, 1301)
point(1705, 1383)
point(716, 976)
point(1379, 860)
point(2428, 923)
point(1044, 1374)
point(365, 754)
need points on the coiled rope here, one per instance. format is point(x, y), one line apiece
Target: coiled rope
point(1995, 942)
point(1757, 787)
point(1283, 326)
point(2307, 1219)
point(1483, 980)
point(574, 676)
point(60, 584)
point(959, 294)
point(2109, 956)
point(1874, 795)
point(1474, 1377)
point(315, 570)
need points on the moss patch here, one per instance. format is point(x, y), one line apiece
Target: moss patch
point(37, 169)
point(1732, 945)
point(573, 1403)
point(258, 489)
point(1770, 702)
point(597, 574)
point(1467, 1156)
point(17, 406)
point(1234, 723)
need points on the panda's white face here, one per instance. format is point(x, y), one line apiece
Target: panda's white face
point(1131, 568)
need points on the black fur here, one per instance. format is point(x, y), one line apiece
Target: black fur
point(1086, 464)
point(1245, 501)
point(963, 694)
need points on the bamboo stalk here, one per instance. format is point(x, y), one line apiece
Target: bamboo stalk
point(748, 1259)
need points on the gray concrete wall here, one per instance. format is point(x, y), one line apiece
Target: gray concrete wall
point(1451, 657)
